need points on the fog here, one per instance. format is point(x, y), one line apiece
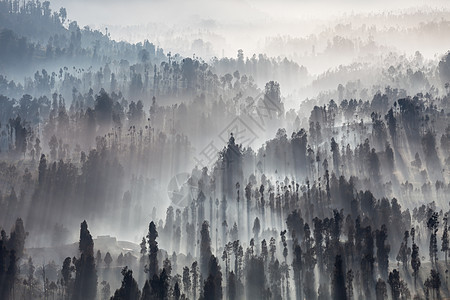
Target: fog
point(226, 26)
point(224, 149)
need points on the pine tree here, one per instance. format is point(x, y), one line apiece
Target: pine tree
point(195, 275)
point(415, 260)
point(445, 247)
point(255, 279)
point(143, 246)
point(153, 250)
point(434, 283)
point(382, 251)
point(232, 287)
point(17, 238)
point(98, 258)
point(129, 289)
point(298, 269)
point(205, 249)
point(381, 290)
point(11, 273)
point(309, 263)
point(160, 285)
point(186, 281)
point(394, 282)
point(213, 284)
point(256, 229)
point(176, 291)
point(147, 291)
point(66, 272)
point(30, 273)
point(367, 260)
point(432, 225)
point(108, 259)
point(339, 292)
point(85, 285)
point(349, 284)
point(404, 252)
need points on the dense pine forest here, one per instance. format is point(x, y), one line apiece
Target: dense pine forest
point(316, 169)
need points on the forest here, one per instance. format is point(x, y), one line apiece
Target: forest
point(318, 168)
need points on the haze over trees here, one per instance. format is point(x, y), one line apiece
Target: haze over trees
point(132, 172)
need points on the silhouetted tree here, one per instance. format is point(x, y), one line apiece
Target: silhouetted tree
point(298, 269)
point(195, 275)
point(153, 250)
point(108, 259)
point(382, 251)
point(433, 283)
point(186, 281)
point(85, 285)
point(338, 288)
point(381, 290)
point(415, 257)
point(205, 249)
point(394, 282)
point(445, 247)
point(66, 272)
point(129, 289)
point(404, 252)
point(213, 284)
point(432, 225)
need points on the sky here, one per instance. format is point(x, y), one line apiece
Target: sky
point(225, 26)
point(134, 12)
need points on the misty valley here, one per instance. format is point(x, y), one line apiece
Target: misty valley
point(226, 151)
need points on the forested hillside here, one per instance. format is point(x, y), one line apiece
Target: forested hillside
point(197, 178)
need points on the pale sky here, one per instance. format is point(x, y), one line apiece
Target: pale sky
point(133, 12)
point(226, 25)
